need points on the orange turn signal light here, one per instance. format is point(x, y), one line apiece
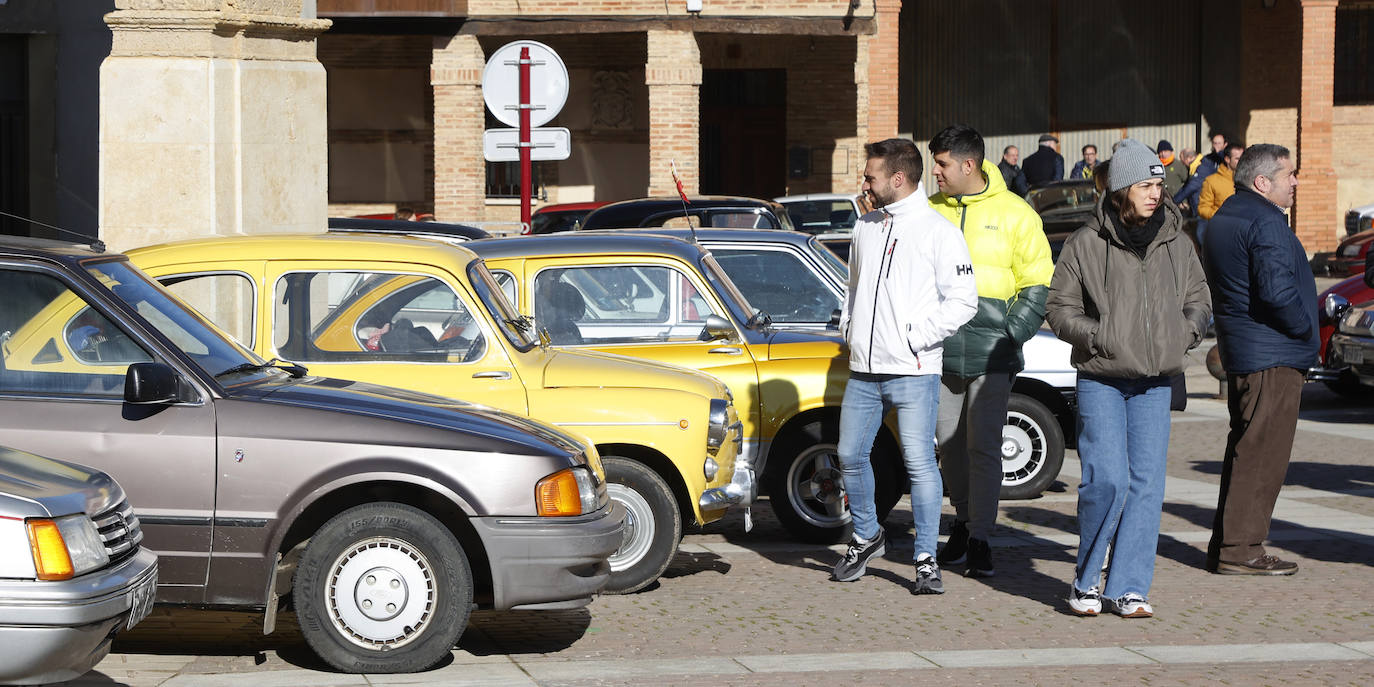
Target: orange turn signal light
point(50, 556)
point(557, 495)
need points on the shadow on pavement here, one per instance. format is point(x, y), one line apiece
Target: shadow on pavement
point(1323, 544)
point(1313, 475)
point(494, 633)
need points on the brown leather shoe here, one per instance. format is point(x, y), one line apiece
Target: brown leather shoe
point(1263, 565)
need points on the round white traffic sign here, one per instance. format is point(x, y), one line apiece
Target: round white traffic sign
point(548, 83)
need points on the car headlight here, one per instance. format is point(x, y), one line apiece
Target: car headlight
point(574, 491)
point(1350, 250)
point(1334, 306)
point(709, 468)
point(65, 547)
point(718, 427)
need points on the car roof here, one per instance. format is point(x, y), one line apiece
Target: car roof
point(29, 246)
point(567, 207)
point(635, 211)
point(733, 235)
point(403, 226)
point(815, 196)
point(321, 246)
point(586, 243)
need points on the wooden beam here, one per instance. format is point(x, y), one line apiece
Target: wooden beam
point(790, 26)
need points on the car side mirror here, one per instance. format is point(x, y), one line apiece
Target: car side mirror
point(152, 383)
point(834, 322)
point(717, 327)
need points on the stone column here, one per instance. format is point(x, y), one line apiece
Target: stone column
point(879, 55)
point(673, 74)
point(1316, 217)
point(212, 121)
point(460, 172)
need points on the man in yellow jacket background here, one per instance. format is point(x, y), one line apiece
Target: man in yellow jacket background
point(1220, 186)
point(1012, 266)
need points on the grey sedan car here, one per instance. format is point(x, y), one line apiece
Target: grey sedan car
point(383, 516)
point(72, 570)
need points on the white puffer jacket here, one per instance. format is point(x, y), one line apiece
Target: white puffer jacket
point(910, 286)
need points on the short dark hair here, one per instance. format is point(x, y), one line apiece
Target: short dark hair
point(1010, 148)
point(960, 141)
point(1232, 146)
point(898, 155)
point(1086, 147)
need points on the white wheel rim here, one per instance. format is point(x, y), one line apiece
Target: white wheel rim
point(1023, 449)
point(638, 536)
point(381, 593)
point(815, 488)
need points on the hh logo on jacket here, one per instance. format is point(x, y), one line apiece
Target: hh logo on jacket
point(963, 269)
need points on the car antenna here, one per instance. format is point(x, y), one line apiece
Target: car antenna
point(672, 164)
point(96, 244)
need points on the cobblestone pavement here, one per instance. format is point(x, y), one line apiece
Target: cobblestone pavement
point(754, 608)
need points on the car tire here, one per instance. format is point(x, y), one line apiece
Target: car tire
point(653, 525)
point(805, 488)
point(1032, 448)
point(383, 588)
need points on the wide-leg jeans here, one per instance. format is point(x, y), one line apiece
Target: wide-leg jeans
point(867, 397)
point(1123, 442)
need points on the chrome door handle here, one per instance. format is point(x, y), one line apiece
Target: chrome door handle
point(491, 374)
point(727, 350)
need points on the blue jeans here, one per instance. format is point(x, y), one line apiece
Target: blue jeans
point(916, 398)
point(1123, 441)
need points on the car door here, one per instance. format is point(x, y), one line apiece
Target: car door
point(65, 356)
point(647, 308)
point(408, 326)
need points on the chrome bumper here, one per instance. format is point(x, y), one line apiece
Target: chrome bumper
point(740, 490)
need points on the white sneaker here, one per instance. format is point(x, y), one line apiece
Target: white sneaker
point(1087, 603)
point(1132, 606)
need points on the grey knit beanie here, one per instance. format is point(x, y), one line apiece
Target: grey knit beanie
point(1133, 163)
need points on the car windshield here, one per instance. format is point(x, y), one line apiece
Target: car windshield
point(187, 329)
point(720, 281)
point(779, 281)
point(822, 216)
point(516, 328)
point(1062, 197)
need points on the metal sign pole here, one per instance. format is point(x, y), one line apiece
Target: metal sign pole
point(526, 168)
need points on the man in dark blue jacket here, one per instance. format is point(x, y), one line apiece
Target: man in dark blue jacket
point(1264, 300)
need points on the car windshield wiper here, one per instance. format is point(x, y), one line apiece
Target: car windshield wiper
point(292, 369)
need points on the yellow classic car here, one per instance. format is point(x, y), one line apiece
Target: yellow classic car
point(665, 299)
point(426, 314)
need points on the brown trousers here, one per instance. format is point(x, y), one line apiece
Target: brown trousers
point(1264, 418)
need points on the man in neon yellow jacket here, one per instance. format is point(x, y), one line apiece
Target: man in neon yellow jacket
point(1012, 267)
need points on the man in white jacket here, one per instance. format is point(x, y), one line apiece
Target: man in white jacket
point(910, 286)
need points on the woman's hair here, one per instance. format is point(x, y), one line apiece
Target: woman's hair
point(1125, 209)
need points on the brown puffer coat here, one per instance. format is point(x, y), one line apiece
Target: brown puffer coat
point(1126, 316)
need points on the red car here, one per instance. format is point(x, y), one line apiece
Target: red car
point(560, 216)
point(1348, 258)
point(1333, 302)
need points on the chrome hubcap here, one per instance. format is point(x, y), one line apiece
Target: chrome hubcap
point(816, 488)
point(639, 527)
point(1023, 449)
point(381, 593)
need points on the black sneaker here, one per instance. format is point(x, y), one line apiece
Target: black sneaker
point(979, 559)
point(851, 567)
point(928, 577)
point(955, 549)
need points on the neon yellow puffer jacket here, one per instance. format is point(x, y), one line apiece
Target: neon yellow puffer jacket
point(1012, 266)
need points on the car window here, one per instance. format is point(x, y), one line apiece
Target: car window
point(226, 298)
point(821, 216)
point(838, 267)
point(348, 316)
point(619, 304)
point(56, 343)
point(779, 282)
point(497, 293)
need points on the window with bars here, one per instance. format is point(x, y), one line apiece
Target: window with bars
point(1354, 78)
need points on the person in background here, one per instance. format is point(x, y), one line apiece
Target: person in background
point(1046, 164)
point(1187, 197)
point(1175, 173)
point(1012, 265)
point(1190, 159)
point(1130, 296)
point(1266, 322)
point(1011, 173)
point(1083, 169)
point(910, 286)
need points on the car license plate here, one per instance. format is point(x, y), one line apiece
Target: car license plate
point(141, 600)
point(1352, 355)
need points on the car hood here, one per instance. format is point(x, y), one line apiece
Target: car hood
point(377, 401)
point(34, 486)
point(795, 344)
point(597, 369)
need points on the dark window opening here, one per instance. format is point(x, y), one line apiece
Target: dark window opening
point(1354, 77)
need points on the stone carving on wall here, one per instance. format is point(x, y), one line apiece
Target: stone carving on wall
point(612, 107)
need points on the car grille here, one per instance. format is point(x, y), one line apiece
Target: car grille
point(120, 531)
point(1352, 223)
